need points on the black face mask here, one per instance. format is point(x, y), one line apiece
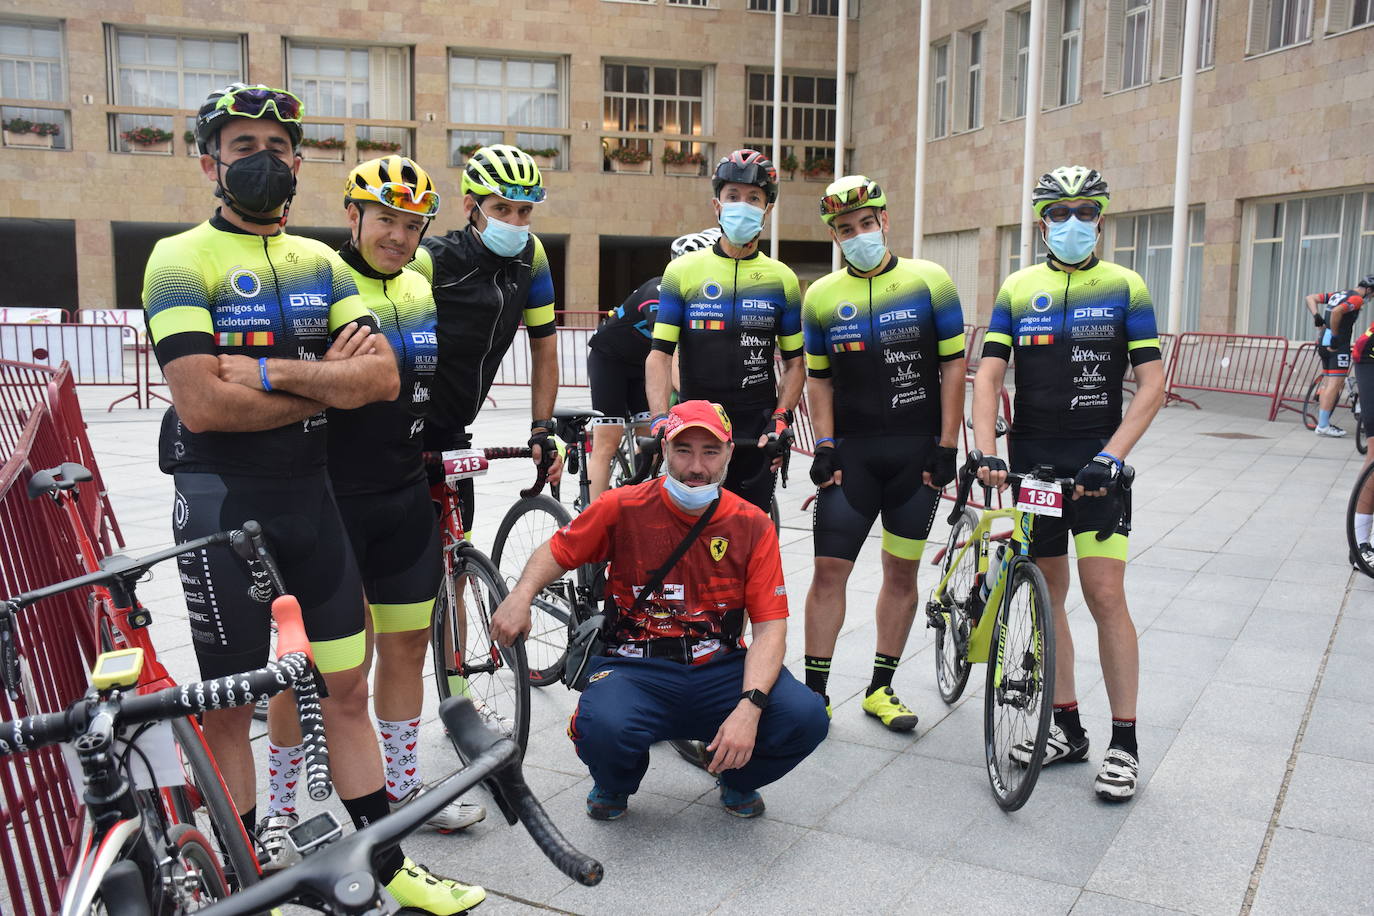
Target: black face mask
point(259, 183)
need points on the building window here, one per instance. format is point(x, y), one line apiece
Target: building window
point(647, 99)
point(510, 91)
point(31, 61)
point(971, 46)
point(1143, 242)
point(939, 90)
point(154, 70)
point(768, 6)
point(1302, 245)
point(1278, 24)
point(832, 8)
point(1070, 51)
point(1015, 63)
point(808, 113)
point(351, 82)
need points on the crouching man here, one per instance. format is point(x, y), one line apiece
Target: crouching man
point(675, 664)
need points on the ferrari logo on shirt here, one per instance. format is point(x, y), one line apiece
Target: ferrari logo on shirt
point(718, 548)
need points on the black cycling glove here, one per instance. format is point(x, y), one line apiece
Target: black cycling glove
point(824, 465)
point(1318, 320)
point(1097, 474)
point(942, 465)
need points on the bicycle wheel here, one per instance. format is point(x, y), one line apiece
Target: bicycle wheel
point(1311, 405)
point(1019, 699)
point(204, 803)
point(198, 878)
point(466, 661)
point(954, 622)
point(529, 523)
point(1361, 501)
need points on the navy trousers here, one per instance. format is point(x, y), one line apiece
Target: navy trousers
point(632, 702)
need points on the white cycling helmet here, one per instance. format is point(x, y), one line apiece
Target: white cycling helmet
point(694, 241)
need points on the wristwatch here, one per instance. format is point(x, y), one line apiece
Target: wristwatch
point(757, 697)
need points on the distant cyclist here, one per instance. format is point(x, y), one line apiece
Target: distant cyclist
point(724, 310)
point(615, 364)
point(885, 360)
point(1074, 324)
point(1337, 313)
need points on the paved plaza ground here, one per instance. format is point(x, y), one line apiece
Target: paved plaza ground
point(1256, 730)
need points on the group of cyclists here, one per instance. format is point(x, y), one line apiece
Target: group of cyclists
point(307, 382)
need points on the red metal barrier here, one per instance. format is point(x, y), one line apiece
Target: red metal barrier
point(1249, 364)
point(1304, 368)
point(97, 354)
point(40, 822)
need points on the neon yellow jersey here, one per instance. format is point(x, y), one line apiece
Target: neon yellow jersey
point(880, 340)
point(727, 315)
point(214, 289)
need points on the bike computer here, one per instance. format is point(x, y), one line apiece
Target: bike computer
point(117, 669)
point(310, 835)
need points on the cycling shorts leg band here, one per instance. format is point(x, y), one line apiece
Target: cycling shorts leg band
point(402, 618)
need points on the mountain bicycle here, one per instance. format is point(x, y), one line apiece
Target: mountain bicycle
point(117, 619)
point(335, 875)
point(1348, 398)
point(1016, 639)
point(144, 764)
point(467, 662)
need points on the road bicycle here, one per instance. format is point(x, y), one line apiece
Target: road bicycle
point(467, 662)
point(117, 619)
point(335, 875)
point(162, 835)
point(1348, 398)
point(1361, 503)
point(1015, 640)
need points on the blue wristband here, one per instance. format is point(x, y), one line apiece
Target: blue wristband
point(824, 439)
point(1115, 460)
point(262, 373)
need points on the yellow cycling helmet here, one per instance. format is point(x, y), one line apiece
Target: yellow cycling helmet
point(395, 182)
point(503, 170)
point(849, 193)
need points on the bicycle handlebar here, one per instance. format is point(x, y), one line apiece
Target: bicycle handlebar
point(341, 875)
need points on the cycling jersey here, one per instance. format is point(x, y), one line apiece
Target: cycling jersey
point(481, 299)
point(1072, 332)
point(1339, 327)
point(376, 448)
point(629, 327)
point(215, 289)
point(880, 341)
point(726, 314)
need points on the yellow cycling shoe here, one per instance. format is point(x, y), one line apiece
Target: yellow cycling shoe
point(886, 708)
point(416, 888)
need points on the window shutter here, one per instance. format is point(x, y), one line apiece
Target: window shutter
point(1171, 42)
point(1054, 29)
point(1337, 15)
point(1116, 16)
point(387, 91)
point(958, 82)
point(1258, 33)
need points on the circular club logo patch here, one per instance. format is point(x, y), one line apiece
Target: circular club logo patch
point(245, 283)
point(711, 289)
point(1041, 302)
point(846, 311)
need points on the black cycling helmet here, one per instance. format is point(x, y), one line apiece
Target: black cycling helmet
point(746, 166)
point(240, 101)
point(1070, 182)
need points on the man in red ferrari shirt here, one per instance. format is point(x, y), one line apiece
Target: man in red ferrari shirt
point(676, 667)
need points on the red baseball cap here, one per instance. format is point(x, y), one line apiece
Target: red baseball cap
point(705, 414)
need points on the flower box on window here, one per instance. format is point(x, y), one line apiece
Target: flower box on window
point(20, 132)
point(631, 159)
point(323, 149)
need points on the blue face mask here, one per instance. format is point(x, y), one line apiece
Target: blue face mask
point(865, 250)
point(690, 499)
point(1072, 241)
point(741, 222)
point(503, 239)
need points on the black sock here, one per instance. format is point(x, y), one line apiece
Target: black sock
point(1123, 736)
point(369, 809)
point(817, 673)
point(884, 666)
point(250, 819)
point(1066, 717)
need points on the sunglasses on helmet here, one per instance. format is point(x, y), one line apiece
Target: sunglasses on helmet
point(253, 102)
point(399, 196)
point(1060, 213)
point(845, 201)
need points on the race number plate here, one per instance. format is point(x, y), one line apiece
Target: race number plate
point(1040, 498)
point(463, 463)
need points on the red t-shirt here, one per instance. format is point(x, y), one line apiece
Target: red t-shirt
point(733, 568)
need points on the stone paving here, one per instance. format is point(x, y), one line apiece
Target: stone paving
point(1256, 731)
